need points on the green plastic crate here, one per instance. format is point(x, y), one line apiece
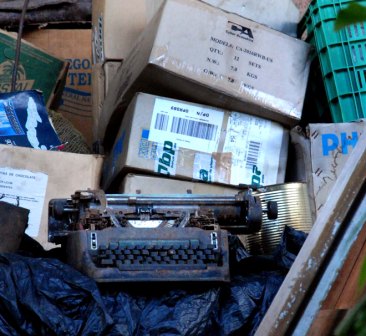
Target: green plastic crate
point(342, 57)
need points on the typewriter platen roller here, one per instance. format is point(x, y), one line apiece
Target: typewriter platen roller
point(94, 210)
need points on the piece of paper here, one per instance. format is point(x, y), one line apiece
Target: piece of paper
point(189, 126)
point(27, 190)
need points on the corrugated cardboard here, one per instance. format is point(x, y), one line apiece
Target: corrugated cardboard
point(330, 146)
point(196, 52)
point(102, 75)
point(145, 184)
point(280, 15)
point(37, 70)
point(74, 45)
point(67, 172)
point(191, 141)
point(110, 70)
point(116, 25)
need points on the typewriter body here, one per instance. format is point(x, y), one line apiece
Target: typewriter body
point(134, 237)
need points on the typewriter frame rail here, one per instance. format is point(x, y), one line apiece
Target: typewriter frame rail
point(93, 210)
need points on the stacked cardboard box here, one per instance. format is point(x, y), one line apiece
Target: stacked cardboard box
point(72, 45)
point(115, 25)
point(221, 66)
point(191, 141)
point(30, 177)
point(38, 69)
point(195, 52)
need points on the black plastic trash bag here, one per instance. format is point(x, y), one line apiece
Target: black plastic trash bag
point(44, 296)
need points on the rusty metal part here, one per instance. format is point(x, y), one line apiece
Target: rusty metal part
point(242, 213)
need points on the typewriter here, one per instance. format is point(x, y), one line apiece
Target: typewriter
point(134, 237)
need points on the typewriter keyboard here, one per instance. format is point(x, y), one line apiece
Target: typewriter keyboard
point(162, 254)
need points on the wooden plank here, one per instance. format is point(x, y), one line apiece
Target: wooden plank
point(326, 322)
point(346, 281)
point(299, 281)
point(352, 292)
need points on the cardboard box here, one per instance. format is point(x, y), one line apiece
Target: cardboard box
point(213, 58)
point(102, 75)
point(37, 70)
point(116, 25)
point(281, 15)
point(152, 7)
point(110, 70)
point(145, 184)
point(33, 177)
point(74, 45)
point(330, 146)
point(191, 141)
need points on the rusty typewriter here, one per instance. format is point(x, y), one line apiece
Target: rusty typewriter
point(137, 237)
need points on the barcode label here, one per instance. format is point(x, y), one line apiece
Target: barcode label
point(161, 122)
point(253, 153)
point(188, 126)
point(193, 128)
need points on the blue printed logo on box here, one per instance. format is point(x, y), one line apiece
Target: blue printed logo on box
point(331, 141)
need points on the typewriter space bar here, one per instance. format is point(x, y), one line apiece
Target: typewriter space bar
point(159, 267)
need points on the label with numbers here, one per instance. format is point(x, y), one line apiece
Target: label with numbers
point(255, 144)
point(189, 126)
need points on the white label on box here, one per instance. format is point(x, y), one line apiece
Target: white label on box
point(166, 158)
point(27, 190)
point(255, 144)
point(189, 126)
point(204, 167)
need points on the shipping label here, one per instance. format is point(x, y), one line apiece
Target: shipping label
point(193, 127)
point(255, 144)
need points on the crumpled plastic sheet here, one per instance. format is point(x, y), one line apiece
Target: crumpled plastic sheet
point(44, 296)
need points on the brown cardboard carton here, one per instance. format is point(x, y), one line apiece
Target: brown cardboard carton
point(281, 15)
point(36, 176)
point(110, 70)
point(145, 184)
point(116, 25)
point(191, 141)
point(196, 52)
point(102, 75)
point(74, 46)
